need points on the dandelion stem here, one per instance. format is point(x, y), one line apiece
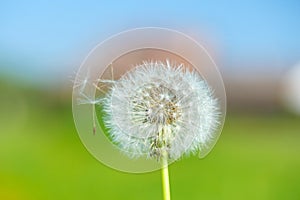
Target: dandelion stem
point(94, 120)
point(165, 177)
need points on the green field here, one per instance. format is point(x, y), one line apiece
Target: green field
point(41, 157)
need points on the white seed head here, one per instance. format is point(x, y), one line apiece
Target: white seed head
point(157, 108)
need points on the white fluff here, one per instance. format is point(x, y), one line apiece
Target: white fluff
point(157, 107)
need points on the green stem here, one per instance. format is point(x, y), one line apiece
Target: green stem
point(165, 177)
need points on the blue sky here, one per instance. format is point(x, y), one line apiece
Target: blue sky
point(49, 37)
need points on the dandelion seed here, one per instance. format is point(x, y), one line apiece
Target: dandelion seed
point(89, 100)
point(81, 82)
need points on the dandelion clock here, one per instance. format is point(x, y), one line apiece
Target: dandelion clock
point(146, 98)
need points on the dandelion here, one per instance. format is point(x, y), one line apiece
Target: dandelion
point(161, 111)
point(157, 108)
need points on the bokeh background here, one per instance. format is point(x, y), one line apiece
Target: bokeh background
point(256, 45)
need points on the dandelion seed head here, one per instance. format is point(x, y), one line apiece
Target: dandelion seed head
point(158, 107)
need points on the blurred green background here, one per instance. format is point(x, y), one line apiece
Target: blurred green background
point(257, 157)
point(257, 46)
